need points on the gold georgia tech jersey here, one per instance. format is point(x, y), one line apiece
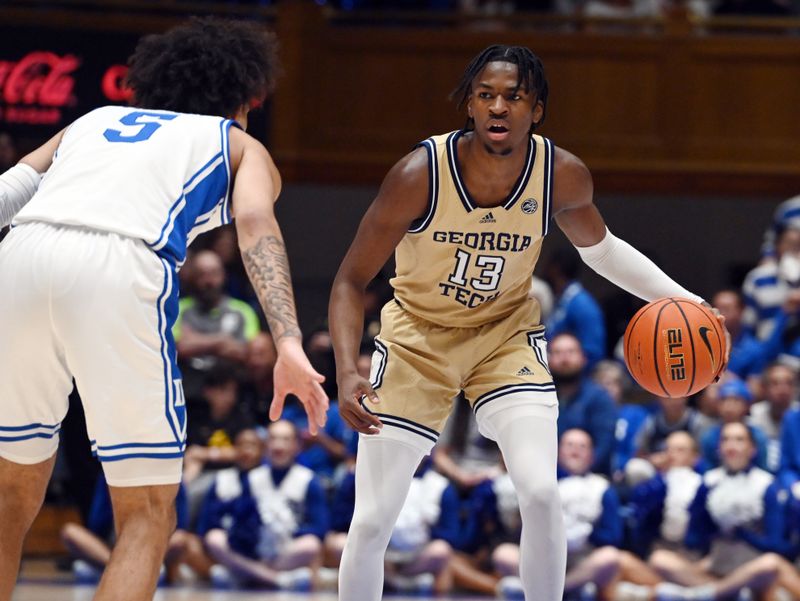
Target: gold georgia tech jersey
point(462, 265)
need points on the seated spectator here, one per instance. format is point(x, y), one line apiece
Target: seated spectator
point(90, 545)
point(630, 416)
point(593, 528)
point(673, 415)
point(734, 403)
point(264, 524)
point(660, 506)
point(766, 288)
point(582, 403)
point(779, 391)
point(214, 424)
point(210, 326)
point(258, 386)
point(463, 454)
point(787, 214)
point(576, 311)
point(749, 355)
point(421, 543)
point(738, 521)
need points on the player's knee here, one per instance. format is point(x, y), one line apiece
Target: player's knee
point(538, 498)
point(372, 529)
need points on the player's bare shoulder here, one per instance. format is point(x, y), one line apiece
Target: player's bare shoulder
point(572, 187)
point(241, 144)
point(406, 187)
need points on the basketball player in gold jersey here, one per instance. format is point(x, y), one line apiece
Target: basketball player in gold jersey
point(467, 212)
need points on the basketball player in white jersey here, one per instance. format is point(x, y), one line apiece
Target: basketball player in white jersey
point(467, 212)
point(88, 285)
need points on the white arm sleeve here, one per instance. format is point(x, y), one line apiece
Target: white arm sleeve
point(17, 187)
point(623, 265)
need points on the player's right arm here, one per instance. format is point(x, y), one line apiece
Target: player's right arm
point(255, 190)
point(403, 197)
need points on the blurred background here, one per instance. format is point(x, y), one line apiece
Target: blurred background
point(685, 111)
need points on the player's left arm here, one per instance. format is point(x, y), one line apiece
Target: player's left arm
point(19, 184)
point(255, 191)
point(614, 259)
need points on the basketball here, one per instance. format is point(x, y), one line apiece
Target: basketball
point(674, 347)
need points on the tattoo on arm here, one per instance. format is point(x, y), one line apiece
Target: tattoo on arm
point(268, 267)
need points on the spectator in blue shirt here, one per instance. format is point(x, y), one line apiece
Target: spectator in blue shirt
point(264, 524)
point(734, 403)
point(582, 403)
point(739, 522)
point(576, 311)
point(424, 535)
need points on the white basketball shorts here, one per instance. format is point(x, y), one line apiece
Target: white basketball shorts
point(98, 307)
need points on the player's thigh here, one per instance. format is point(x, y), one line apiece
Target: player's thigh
point(514, 375)
point(415, 388)
point(155, 504)
point(34, 378)
point(120, 347)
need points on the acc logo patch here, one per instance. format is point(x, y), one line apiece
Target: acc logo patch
point(529, 206)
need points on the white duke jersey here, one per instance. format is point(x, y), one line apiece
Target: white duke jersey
point(158, 176)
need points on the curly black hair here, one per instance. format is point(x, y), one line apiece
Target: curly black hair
point(532, 77)
point(206, 66)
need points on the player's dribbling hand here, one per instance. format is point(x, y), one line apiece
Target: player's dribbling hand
point(293, 374)
point(352, 388)
point(721, 318)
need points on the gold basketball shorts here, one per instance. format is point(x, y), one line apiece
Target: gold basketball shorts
point(419, 368)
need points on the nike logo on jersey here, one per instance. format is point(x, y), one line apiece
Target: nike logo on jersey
point(525, 371)
point(704, 336)
point(488, 218)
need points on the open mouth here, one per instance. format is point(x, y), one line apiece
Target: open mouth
point(498, 131)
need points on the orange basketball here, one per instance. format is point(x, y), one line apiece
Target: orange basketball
point(674, 347)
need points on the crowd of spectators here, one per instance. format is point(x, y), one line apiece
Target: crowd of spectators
point(663, 498)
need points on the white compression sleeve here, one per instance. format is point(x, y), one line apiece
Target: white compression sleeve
point(17, 187)
point(623, 265)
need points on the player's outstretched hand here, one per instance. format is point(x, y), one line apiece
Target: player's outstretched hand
point(352, 388)
point(293, 374)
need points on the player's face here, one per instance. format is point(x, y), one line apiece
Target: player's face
point(735, 447)
point(282, 444)
point(575, 452)
point(502, 113)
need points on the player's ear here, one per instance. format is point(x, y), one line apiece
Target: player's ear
point(538, 113)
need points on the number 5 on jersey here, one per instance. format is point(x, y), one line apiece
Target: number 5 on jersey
point(146, 128)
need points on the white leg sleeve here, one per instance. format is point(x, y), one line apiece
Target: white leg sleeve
point(384, 469)
point(528, 438)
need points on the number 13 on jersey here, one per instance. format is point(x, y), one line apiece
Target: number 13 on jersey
point(488, 279)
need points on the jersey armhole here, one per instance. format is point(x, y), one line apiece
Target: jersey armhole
point(419, 225)
point(549, 162)
point(225, 143)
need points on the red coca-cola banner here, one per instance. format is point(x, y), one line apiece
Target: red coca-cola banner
point(46, 84)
